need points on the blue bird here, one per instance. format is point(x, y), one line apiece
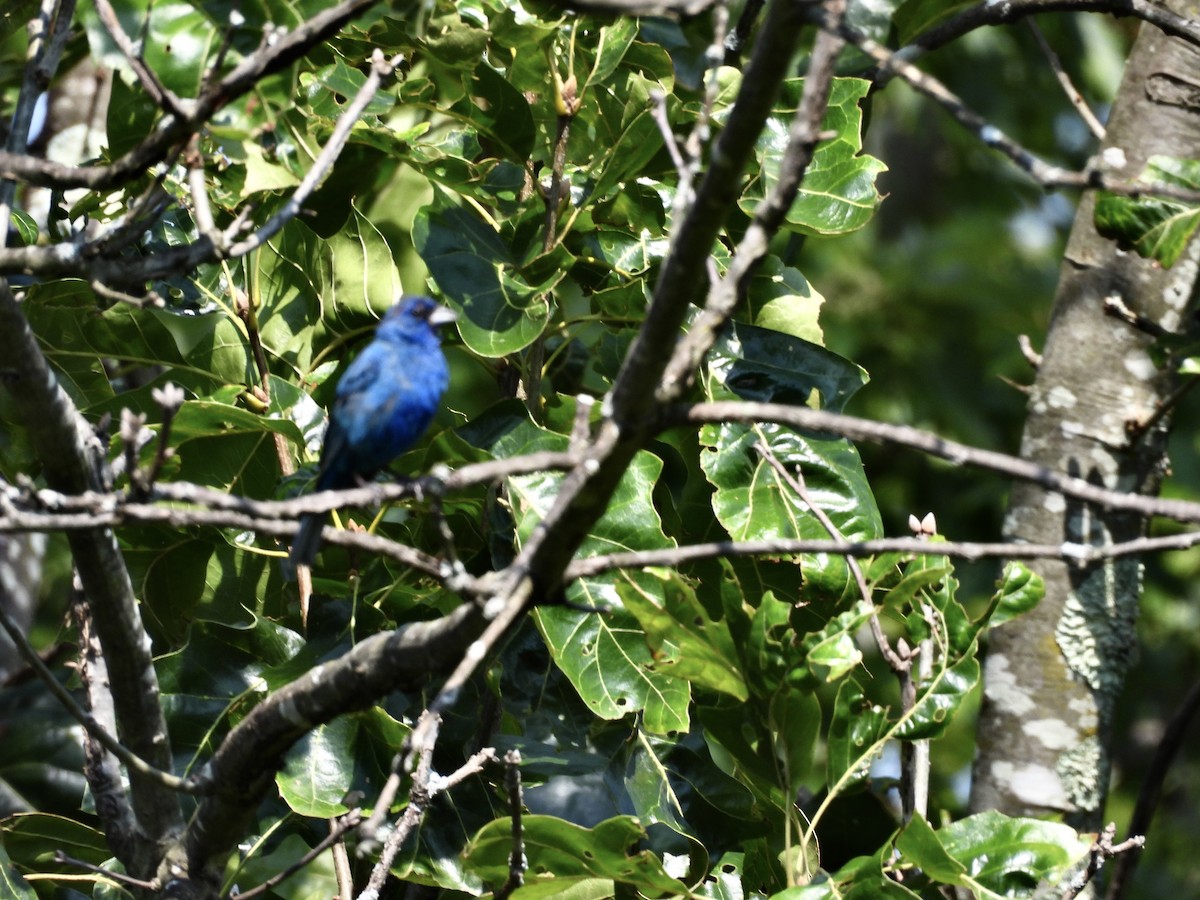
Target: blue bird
point(383, 403)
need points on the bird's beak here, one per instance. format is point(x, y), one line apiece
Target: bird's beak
point(441, 315)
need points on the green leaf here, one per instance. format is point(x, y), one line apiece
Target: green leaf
point(769, 659)
point(560, 850)
point(318, 770)
point(762, 364)
point(604, 654)
point(499, 312)
point(915, 16)
point(336, 758)
point(838, 193)
point(826, 655)
point(12, 884)
point(316, 292)
point(939, 700)
point(1010, 856)
point(855, 737)
point(782, 300)
point(915, 581)
point(796, 725)
point(1019, 590)
point(203, 352)
point(500, 112)
point(329, 89)
point(26, 227)
point(615, 41)
point(744, 749)
point(701, 650)
point(753, 502)
point(649, 785)
point(33, 839)
point(41, 756)
point(313, 879)
point(921, 846)
point(1157, 227)
point(862, 878)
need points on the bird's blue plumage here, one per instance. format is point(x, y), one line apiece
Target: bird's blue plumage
point(383, 403)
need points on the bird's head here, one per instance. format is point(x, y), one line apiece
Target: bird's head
point(414, 316)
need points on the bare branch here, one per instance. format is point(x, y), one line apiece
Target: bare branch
point(337, 831)
point(1076, 99)
point(1047, 176)
point(803, 137)
point(131, 760)
point(1103, 849)
point(380, 69)
point(858, 429)
point(1169, 745)
point(158, 92)
point(643, 7)
point(782, 548)
point(988, 13)
point(278, 53)
point(245, 763)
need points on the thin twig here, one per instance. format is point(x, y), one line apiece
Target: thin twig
point(795, 482)
point(1076, 554)
point(87, 720)
point(117, 877)
point(1168, 747)
point(337, 831)
point(987, 13)
point(1103, 849)
point(1085, 112)
point(1047, 176)
point(803, 135)
point(516, 808)
point(158, 92)
point(380, 70)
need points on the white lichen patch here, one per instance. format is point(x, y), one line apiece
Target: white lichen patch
point(1037, 786)
point(1054, 503)
point(1002, 689)
point(1084, 709)
point(1138, 364)
point(1054, 734)
point(1060, 398)
point(1114, 158)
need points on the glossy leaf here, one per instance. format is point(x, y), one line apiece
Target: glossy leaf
point(560, 850)
point(796, 725)
point(838, 194)
point(477, 273)
point(12, 884)
point(1019, 590)
point(939, 700)
point(701, 650)
point(921, 846)
point(855, 737)
point(1156, 227)
point(1011, 856)
point(604, 653)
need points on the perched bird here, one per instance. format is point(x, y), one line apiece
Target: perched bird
point(383, 403)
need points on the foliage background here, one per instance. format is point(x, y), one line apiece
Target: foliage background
point(927, 298)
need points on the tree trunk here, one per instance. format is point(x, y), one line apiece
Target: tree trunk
point(1053, 676)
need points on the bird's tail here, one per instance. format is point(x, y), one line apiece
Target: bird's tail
point(306, 544)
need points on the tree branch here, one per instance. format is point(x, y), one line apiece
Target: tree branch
point(243, 768)
point(988, 13)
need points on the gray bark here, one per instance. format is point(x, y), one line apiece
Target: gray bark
point(1052, 677)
